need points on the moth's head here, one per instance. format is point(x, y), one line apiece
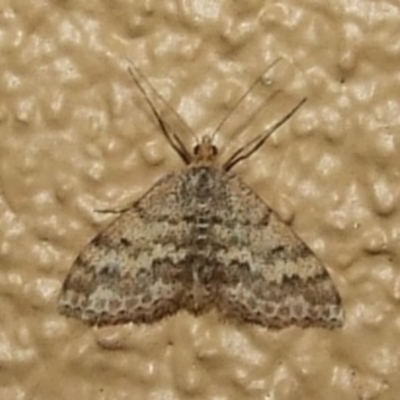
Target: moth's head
point(205, 151)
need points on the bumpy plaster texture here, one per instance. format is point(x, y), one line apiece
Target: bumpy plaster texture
point(77, 137)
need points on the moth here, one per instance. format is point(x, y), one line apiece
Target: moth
point(200, 240)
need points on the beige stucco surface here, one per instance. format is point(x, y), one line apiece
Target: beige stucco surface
point(74, 137)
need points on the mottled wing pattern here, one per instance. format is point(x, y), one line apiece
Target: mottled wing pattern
point(129, 272)
point(272, 278)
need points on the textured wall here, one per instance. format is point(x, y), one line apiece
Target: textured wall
point(75, 138)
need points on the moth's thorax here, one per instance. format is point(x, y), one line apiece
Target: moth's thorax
point(201, 185)
point(205, 152)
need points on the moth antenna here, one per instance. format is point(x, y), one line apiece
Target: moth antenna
point(165, 102)
point(246, 123)
point(242, 97)
point(172, 138)
point(248, 149)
